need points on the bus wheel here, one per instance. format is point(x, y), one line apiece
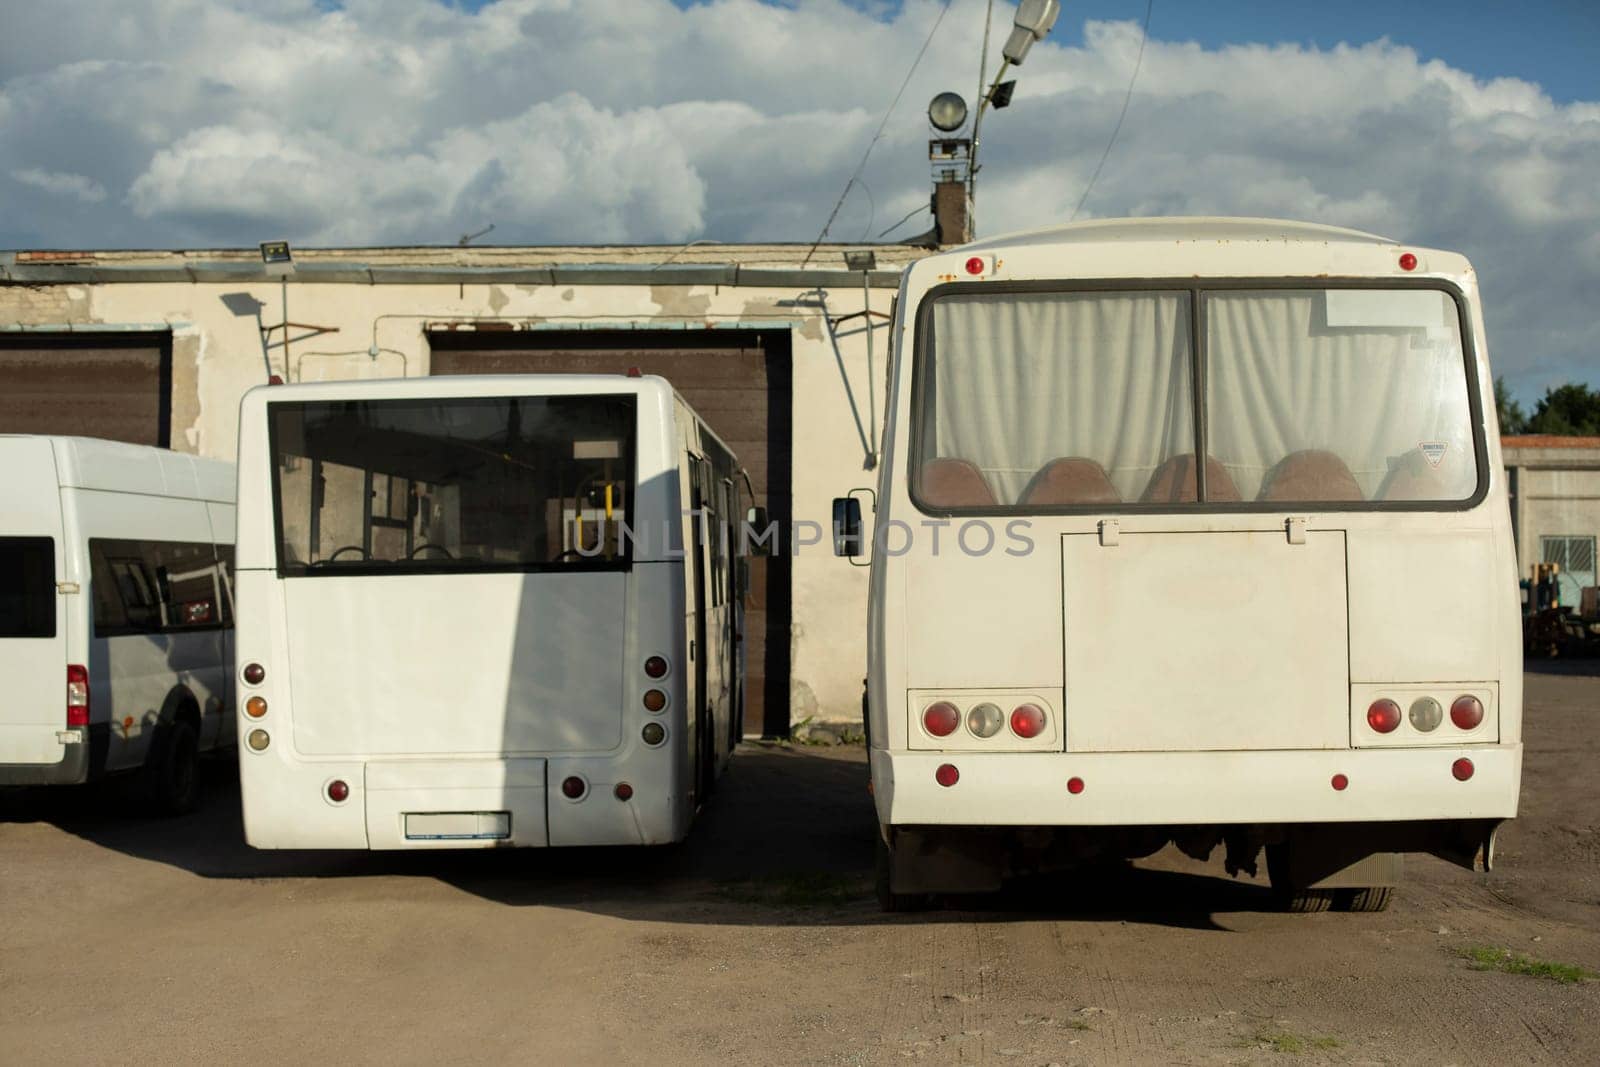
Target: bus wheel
point(1291, 897)
point(888, 899)
point(172, 769)
point(1371, 898)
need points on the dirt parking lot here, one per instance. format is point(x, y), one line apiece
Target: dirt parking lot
point(131, 940)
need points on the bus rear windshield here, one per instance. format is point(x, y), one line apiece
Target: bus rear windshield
point(457, 483)
point(1349, 397)
point(27, 587)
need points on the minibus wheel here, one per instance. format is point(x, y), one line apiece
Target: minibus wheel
point(172, 769)
point(1372, 898)
point(888, 899)
point(1290, 897)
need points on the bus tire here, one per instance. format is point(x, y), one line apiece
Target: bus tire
point(888, 899)
point(1370, 898)
point(171, 771)
point(1290, 897)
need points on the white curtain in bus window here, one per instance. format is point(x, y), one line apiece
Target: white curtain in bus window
point(1058, 399)
point(1339, 395)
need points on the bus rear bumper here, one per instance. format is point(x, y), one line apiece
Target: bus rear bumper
point(71, 769)
point(1196, 788)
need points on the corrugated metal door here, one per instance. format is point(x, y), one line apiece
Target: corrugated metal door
point(739, 381)
point(116, 386)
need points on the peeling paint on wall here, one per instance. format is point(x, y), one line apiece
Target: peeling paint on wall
point(680, 300)
point(497, 299)
point(188, 350)
point(568, 294)
point(44, 305)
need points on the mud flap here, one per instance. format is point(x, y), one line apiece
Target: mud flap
point(945, 861)
point(1471, 845)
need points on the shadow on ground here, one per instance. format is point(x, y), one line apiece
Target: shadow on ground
point(787, 839)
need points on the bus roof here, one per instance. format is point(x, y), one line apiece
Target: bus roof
point(1166, 229)
point(96, 463)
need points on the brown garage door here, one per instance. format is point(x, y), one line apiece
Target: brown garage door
point(739, 382)
point(117, 386)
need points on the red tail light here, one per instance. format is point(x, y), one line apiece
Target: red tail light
point(338, 791)
point(1462, 769)
point(947, 775)
point(1384, 715)
point(623, 791)
point(574, 787)
point(1074, 786)
point(1340, 783)
point(941, 719)
point(975, 265)
point(655, 667)
point(1466, 712)
point(1408, 261)
point(77, 695)
point(1027, 720)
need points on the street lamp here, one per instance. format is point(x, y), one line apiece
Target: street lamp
point(1033, 20)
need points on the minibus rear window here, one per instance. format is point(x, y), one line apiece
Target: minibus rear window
point(453, 484)
point(1036, 400)
point(27, 587)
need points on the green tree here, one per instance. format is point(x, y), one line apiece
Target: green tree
point(1512, 418)
point(1569, 410)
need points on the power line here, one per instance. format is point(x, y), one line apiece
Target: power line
point(943, 11)
point(1145, 36)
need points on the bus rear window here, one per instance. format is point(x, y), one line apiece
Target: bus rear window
point(1347, 396)
point(453, 483)
point(27, 587)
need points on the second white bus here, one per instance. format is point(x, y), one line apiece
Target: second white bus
point(1083, 642)
point(483, 612)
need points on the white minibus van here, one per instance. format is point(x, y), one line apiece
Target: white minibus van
point(484, 612)
point(116, 614)
point(1085, 641)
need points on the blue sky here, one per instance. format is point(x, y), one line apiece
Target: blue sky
point(1555, 43)
point(216, 123)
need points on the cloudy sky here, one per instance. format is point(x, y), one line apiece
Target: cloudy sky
point(203, 123)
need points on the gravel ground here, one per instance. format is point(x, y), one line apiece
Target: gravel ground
point(124, 939)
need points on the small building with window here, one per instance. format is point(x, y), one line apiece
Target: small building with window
point(1555, 507)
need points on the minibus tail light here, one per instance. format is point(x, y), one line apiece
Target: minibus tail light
point(1466, 712)
point(947, 775)
point(941, 718)
point(77, 695)
point(655, 667)
point(1462, 769)
point(574, 788)
point(1384, 715)
point(338, 791)
point(1027, 720)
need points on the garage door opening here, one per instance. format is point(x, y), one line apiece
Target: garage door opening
point(112, 385)
point(741, 382)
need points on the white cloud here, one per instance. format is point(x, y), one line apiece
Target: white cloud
point(74, 185)
point(185, 122)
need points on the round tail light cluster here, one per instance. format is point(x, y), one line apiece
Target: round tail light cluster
point(1425, 714)
point(1462, 769)
point(656, 667)
point(941, 718)
point(573, 787)
point(654, 700)
point(1027, 720)
point(1466, 712)
point(255, 707)
point(254, 673)
point(1384, 715)
point(947, 775)
point(338, 791)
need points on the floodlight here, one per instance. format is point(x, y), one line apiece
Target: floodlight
point(1033, 21)
point(1000, 95)
point(275, 252)
point(863, 260)
point(947, 112)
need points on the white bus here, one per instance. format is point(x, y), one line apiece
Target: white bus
point(116, 614)
point(484, 611)
point(1083, 642)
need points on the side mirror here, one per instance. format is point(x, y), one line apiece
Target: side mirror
point(760, 539)
point(846, 526)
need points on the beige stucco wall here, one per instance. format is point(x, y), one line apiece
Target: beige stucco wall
point(217, 355)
